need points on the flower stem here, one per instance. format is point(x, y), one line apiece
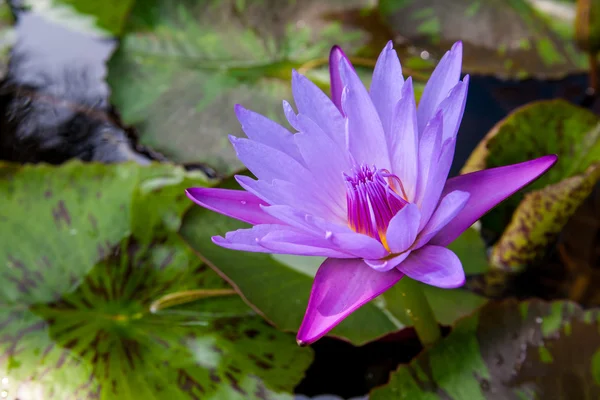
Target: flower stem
point(417, 308)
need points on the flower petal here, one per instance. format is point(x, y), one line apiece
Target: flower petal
point(236, 204)
point(449, 207)
point(436, 181)
point(247, 239)
point(324, 160)
point(337, 85)
point(278, 192)
point(261, 129)
point(444, 77)
point(403, 228)
point(386, 86)
point(453, 108)
point(488, 188)
point(386, 264)
point(312, 102)
point(301, 244)
point(279, 166)
point(434, 265)
point(340, 287)
point(365, 136)
point(403, 140)
point(339, 236)
point(430, 147)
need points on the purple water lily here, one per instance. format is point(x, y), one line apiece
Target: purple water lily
point(364, 183)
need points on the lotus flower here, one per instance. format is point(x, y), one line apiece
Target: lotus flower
point(363, 182)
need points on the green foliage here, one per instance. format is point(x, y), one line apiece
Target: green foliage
point(91, 262)
point(508, 350)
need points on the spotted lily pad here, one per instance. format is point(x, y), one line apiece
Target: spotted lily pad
point(278, 286)
point(94, 276)
point(531, 131)
point(508, 39)
point(506, 351)
point(183, 64)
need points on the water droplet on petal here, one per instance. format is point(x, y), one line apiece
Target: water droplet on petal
point(328, 234)
point(243, 201)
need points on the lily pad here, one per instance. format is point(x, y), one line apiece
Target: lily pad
point(542, 351)
point(534, 130)
point(508, 39)
point(93, 276)
point(278, 286)
point(183, 64)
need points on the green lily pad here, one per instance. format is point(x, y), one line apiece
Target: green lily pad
point(184, 64)
point(534, 130)
point(106, 18)
point(278, 286)
point(94, 275)
point(508, 350)
point(508, 39)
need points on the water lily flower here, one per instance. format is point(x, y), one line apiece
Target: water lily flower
point(363, 182)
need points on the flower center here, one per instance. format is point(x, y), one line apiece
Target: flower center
point(372, 200)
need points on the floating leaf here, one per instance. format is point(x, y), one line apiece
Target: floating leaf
point(278, 286)
point(540, 217)
point(508, 350)
point(502, 38)
point(183, 64)
point(82, 264)
point(534, 130)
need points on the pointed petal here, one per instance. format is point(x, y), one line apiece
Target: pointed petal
point(301, 244)
point(436, 181)
point(268, 163)
point(435, 266)
point(365, 136)
point(340, 287)
point(339, 236)
point(247, 239)
point(335, 56)
point(386, 86)
point(488, 188)
point(278, 192)
point(324, 160)
point(453, 203)
point(290, 115)
point(312, 102)
point(236, 204)
point(403, 228)
point(453, 108)
point(430, 146)
point(403, 140)
point(444, 77)
point(261, 129)
point(386, 264)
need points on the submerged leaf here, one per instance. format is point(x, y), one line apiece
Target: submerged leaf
point(183, 64)
point(542, 351)
point(508, 39)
